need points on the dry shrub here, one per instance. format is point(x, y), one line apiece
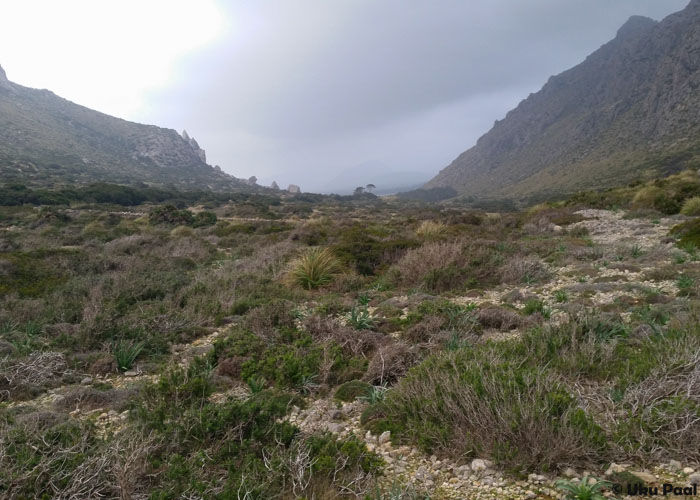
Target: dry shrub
point(41, 420)
point(269, 259)
point(417, 263)
point(468, 402)
point(425, 330)
point(103, 366)
point(498, 317)
point(348, 282)
point(89, 398)
point(391, 362)
point(231, 367)
point(665, 403)
point(431, 229)
point(37, 369)
point(189, 247)
point(266, 319)
point(523, 270)
point(353, 342)
point(133, 244)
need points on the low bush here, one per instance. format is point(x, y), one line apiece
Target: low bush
point(352, 390)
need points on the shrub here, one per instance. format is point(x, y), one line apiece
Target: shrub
point(533, 306)
point(523, 270)
point(170, 214)
point(314, 269)
point(390, 363)
point(431, 229)
point(477, 401)
point(352, 390)
point(367, 251)
point(498, 317)
point(433, 265)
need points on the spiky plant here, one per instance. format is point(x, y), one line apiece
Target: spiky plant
point(314, 269)
point(691, 206)
point(582, 490)
point(126, 352)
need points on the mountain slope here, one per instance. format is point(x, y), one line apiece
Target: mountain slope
point(629, 109)
point(48, 140)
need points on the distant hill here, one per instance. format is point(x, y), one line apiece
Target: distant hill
point(387, 179)
point(629, 110)
point(47, 140)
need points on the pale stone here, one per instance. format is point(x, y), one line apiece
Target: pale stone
point(384, 437)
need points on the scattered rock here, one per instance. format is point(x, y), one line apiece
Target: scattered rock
point(86, 381)
point(478, 465)
point(675, 465)
point(694, 479)
point(570, 473)
point(384, 437)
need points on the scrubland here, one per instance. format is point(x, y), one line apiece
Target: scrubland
point(181, 350)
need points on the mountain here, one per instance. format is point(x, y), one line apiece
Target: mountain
point(47, 140)
point(629, 110)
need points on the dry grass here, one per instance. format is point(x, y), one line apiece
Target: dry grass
point(431, 229)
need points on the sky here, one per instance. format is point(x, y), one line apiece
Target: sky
point(325, 94)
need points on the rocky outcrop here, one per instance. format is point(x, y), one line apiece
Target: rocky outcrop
point(4, 82)
point(195, 146)
point(629, 109)
point(294, 189)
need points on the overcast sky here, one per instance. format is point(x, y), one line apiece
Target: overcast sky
point(309, 91)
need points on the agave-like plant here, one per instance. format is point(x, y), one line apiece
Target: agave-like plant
point(126, 352)
point(314, 269)
point(582, 490)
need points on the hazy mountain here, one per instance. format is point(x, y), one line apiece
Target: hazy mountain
point(45, 139)
point(385, 178)
point(629, 110)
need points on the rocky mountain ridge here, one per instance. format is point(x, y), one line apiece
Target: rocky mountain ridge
point(628, 110)
point(48, 140)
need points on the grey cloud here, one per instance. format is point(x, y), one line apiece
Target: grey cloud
point(300, 90)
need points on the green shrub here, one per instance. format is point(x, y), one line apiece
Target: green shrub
point(352, 390)
point(314, 269)
point(533, 306)
point(170, 214)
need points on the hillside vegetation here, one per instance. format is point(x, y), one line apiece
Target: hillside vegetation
point(340, 347)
